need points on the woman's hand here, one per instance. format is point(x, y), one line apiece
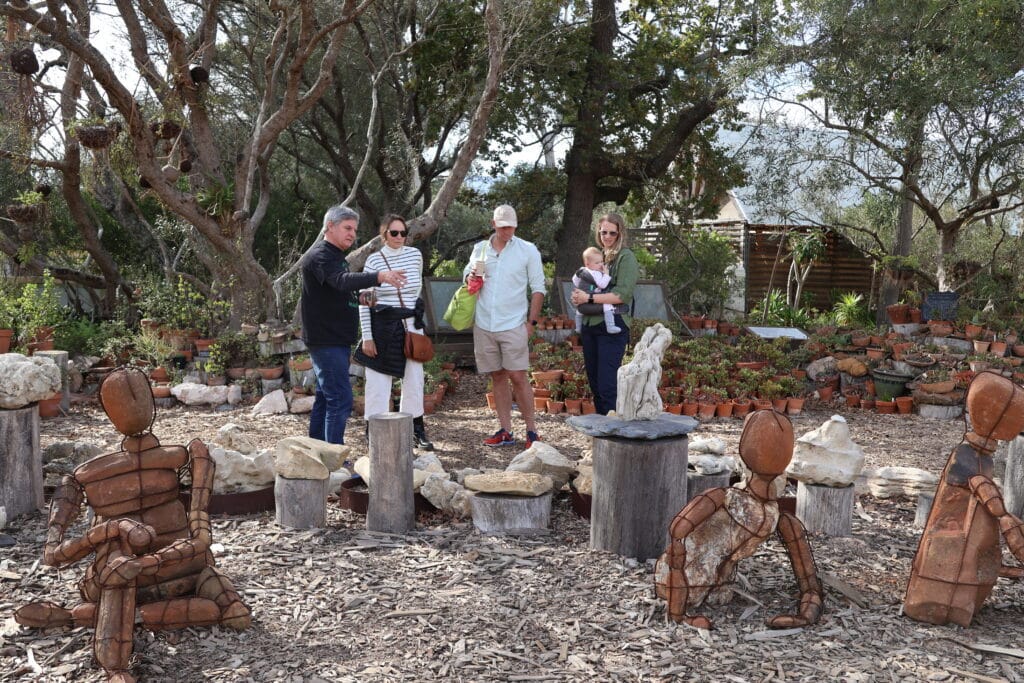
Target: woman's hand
point(370, 348)
point(578, 297)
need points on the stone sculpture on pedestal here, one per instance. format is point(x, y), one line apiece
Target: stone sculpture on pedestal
point(959, 559)
point(149, 550)
point(638, 380)
point(721, 526)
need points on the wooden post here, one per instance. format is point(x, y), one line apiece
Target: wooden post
point(301, 503)
point(21, 461)
point(392, 507)
point(924, 508)
point(495, 513)
point(1013, 479)
point(825, 509)
point(699, 483)
point(639, 486)
point(60, 359)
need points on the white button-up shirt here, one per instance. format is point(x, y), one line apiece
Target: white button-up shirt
point(503, 303)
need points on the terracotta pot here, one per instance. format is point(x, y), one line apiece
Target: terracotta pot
point(542, 392)
point(899, 314)
point(574, 406)
point(905, 404)
point(215, 380)
point(1018, 349)
point(939, 328)
point(868, 403)
point(740, 407)
point(980, 346)
point(899, 349)
point(50, 407)
point(555, 407)
point(540, 402)
point(875, 353)
point(690, 408)
point(304, 365)
point(543, 378)
point(915, 315)
point(588, 407)
point(972, 331)
point(779, 404)
point(825, 392)
point(937, 387)
point(5, 340)
point(794, 405)
point(876, 340)
point(799, 374)
point(885, 407)
point(271, 373)
point(724, 409)
point(852, 400)
point(751, 365)
point(706, 410)
point(203, 344)
point(762, 404)
point(159, 374)
point(997, 348)
point(428, 404)
point(860, 342)
point(161, 390)
point(236, 373)
point(674, 408)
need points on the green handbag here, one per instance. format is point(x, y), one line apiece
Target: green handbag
point(461, 309)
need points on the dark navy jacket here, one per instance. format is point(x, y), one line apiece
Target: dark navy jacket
point(330, 309)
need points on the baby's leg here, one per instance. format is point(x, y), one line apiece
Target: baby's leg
point(579, 322)
point(609, 319)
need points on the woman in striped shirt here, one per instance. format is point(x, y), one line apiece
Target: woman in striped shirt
point(397, 312)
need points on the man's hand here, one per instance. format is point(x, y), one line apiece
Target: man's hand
point(395, 278)
point(474, 284)
point(370, 348)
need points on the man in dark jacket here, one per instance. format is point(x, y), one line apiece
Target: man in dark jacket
point(330, 319)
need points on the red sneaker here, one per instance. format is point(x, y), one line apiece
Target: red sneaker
point(502, 437)
point(530, 438)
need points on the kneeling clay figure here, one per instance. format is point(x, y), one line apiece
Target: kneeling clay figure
point(148, 549)
point(722, 526)
point(959, 559)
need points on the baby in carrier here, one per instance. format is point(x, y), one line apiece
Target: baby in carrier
point(593, 278)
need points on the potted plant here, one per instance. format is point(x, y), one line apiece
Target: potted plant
point(153, 352)
point(39, 313)
point(8, 313)
point(270, 366)
point(27, 208)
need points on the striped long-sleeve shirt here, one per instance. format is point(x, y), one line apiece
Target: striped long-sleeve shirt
point(408, 259)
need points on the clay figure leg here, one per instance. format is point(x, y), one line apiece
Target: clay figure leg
point(115, 619)
point(46, 614)
point(1012, 528)
point(794, 537)
point(216, 602)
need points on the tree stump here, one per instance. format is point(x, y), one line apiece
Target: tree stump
point(825, 509)
point(301, 503)
point(1013, 479)
point(495, 513)
point(639, 486)
point(698, 483)
point(924, 508)
point(60, 359)
point(392, 506)
point(21, 461)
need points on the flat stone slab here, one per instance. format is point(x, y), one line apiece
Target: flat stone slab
point(664, 427)
point(940, 412)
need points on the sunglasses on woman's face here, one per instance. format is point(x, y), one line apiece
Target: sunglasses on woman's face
point(608, 233)
point(398, 233)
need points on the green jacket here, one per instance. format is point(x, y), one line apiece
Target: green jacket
point(624, 271)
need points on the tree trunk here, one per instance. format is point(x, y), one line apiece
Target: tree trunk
point(575, 234)
point(893, 283)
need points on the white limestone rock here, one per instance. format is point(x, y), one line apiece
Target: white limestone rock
point(446, 495)
point(192, 394)
point(706, 444)
point(75, 452)
point(234, 394)
point(512, 483)
point(303, 457)
point(273, 403)
point(25, 380)
point(362, 468)
point(543, 458)
point(712, 464)
point(891, 482)
point(460, 475)
point(241, 471)
point(301, 404)
point(827, 456)
point(638, 380)
point(429, 462)
point(233, 437)
point(584, 481)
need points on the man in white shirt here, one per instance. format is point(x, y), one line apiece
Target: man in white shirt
point(504, 319)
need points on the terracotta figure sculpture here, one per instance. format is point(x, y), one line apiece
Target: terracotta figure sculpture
point(959, 559)
point(721, 526)
point(148, 549)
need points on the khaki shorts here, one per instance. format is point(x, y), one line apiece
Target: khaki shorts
point(506, 350)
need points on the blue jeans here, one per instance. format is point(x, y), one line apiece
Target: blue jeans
point(333, 403)
point(602, 354)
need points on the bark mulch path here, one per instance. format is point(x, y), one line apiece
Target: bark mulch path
point(445, 603)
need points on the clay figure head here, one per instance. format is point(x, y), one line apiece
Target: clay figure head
point(996, 407)
point(766, 444)
point(128, 401)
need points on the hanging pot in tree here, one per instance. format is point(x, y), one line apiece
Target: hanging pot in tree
point(23, 213)
point(94, 137)
point(165, 130)
point(143, 183)
point(24, 62)
point(198, 74)
point(43, 189)
point(185, 166)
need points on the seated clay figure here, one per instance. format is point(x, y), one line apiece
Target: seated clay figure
point(959, 559)
point(148, 549)
point(721, 526)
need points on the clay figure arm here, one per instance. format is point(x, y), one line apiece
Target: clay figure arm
point(794, 537)
point(677, 590)
point(988, 494)
point(199, 533)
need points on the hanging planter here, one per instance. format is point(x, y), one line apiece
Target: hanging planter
point(24, 62)
point(94, 137)
point(23, 213)
point(198, 74)
point(165, 130)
